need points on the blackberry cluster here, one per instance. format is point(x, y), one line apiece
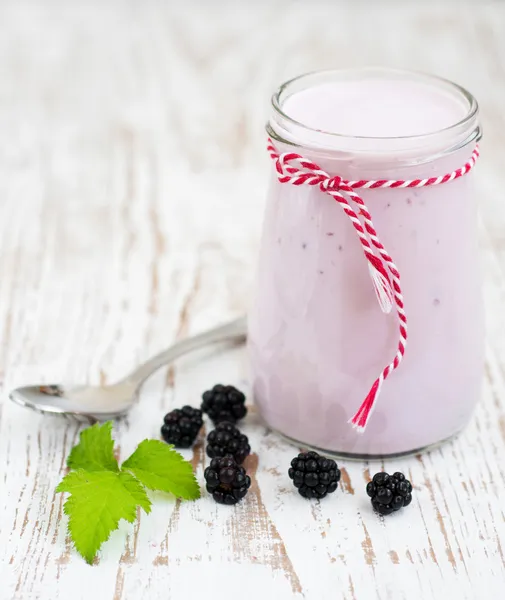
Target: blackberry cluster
point(227, 440)
point(389, 493)
point(224, 403)
point(226, 480)
point(314, 475)
point(182, 426)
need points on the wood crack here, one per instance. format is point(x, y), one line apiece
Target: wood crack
point(251, 521)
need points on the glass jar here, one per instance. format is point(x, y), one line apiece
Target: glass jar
point(317, 336)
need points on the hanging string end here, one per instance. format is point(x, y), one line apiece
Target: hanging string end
point(360, 420)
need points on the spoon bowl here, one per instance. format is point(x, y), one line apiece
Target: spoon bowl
point(99, 403)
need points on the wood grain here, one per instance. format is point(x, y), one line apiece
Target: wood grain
point(132, 179)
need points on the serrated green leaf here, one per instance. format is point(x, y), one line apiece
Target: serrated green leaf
point(95, 450)
point(98, 501)
point(159, 467)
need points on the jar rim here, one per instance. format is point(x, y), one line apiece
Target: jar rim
point(287, 129)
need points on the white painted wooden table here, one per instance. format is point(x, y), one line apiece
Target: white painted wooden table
point(132, 179)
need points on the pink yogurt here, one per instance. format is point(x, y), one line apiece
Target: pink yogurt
point(318, 338)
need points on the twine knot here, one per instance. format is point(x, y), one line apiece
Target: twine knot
point(331, 184)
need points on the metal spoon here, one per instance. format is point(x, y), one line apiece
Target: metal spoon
point(101, 403)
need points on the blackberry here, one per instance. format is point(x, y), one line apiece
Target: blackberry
point(314, 475)
point(389, 493)
point(226, 480)
point(226, 440)
point(224, 403)
point(182, 426)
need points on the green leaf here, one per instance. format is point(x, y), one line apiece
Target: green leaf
point(101, 494)
point(159, 467)
point(95, 450)
point(98, 501)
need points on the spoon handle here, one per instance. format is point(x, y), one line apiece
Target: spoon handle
point(232, 331)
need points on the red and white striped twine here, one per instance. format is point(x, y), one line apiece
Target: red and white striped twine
point(297, 170)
